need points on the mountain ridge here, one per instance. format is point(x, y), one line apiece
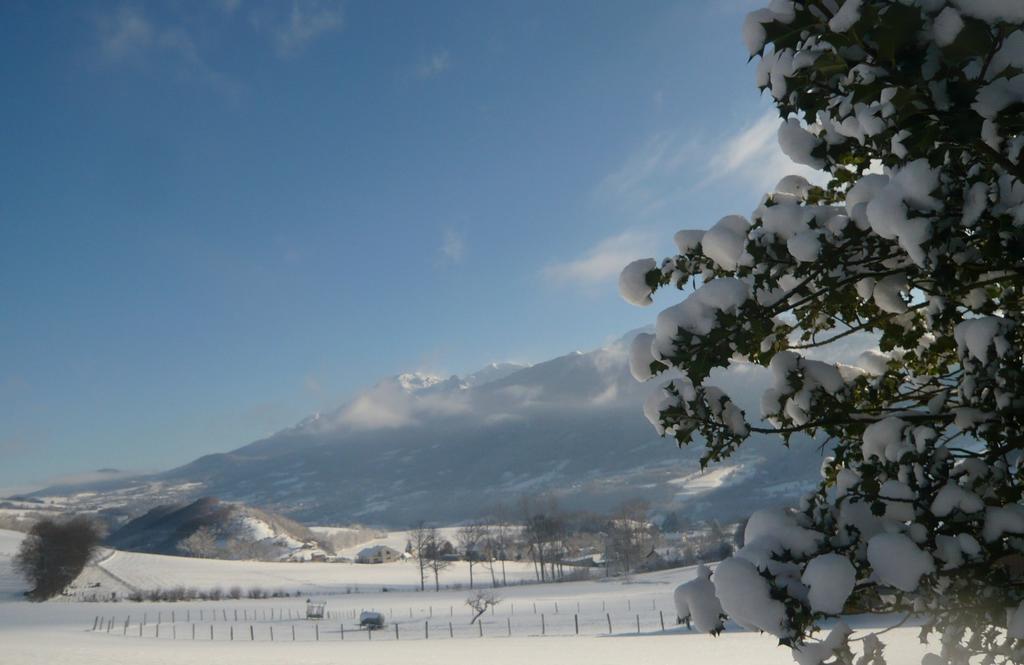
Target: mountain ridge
point(419, 446)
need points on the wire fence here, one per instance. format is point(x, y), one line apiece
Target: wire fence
point(289, 624)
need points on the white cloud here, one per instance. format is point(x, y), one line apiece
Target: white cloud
point(387, 405)
point(306, 22)
point(604, 261)
point(453, 246)
point(434, 65)
point(752, 156)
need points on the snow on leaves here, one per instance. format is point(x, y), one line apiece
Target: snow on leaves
point(914, 110)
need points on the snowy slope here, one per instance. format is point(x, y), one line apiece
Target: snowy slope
point(237, 532)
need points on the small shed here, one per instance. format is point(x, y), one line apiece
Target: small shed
point(315, 609)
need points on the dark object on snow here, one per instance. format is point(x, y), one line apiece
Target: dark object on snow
point(372, 620)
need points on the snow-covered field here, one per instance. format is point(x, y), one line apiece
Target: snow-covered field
point(61, 632)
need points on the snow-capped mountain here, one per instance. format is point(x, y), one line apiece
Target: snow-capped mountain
point(418, 446)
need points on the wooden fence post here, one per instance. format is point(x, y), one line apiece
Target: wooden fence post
point(140, 630)
point(556, 607)
point(193, 632)
point(480, 625)
point(271, 633)
point(509, 621)
point(451, 631)
point(396, 631)
point(232, 635)
point(661, 615)
point(637, 624)
point(609, 623)
point(576, 620)
point(543, 628)
point(293, 632)
point(158, 631)
point(317, 627)
point(343, 631)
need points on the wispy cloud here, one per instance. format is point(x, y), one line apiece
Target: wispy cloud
point(434, 65)
point(667, 167)
point(125, 34)
point(649, 179)
point(129, 36)
point(453, 246)
point(604, 261)
point(751, 156)
point(308, 21)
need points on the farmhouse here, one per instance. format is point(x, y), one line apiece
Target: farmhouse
point(378, 554)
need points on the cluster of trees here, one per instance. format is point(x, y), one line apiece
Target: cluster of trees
point(205, 543)
point(560, 544)
point(54, 553)
point(483, 544)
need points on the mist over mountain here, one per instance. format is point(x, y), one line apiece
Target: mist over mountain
point(418, 446)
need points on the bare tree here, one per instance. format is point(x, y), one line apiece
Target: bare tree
point(544, 534)
point(54, 553)
point(419, 544)
point(480, 602)
point(436, 553)
point(629, 537)
point(503, 537)
point(471, 539)
point(202, 543)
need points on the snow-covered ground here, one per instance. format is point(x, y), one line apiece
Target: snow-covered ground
point(542, 619)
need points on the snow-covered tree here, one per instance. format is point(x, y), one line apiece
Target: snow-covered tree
point(914, 110)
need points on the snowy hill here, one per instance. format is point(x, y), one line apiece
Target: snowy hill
point(423, 447)
point(232, 530)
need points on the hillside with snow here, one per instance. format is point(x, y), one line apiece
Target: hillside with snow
point(418, 447)
point(212, 528)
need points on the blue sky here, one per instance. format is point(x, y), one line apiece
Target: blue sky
point(220, 217)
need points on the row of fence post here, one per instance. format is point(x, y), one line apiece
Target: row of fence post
point(103, 624)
